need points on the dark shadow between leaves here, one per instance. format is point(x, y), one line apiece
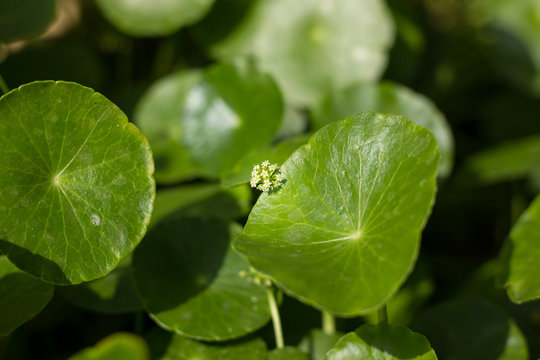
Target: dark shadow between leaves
point(178, 259)
point(34, 264)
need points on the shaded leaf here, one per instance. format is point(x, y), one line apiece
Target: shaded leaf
point(287, 353)
point(24, 19)
point(119, 346)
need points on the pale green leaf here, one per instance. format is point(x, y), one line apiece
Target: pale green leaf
point(119, 346)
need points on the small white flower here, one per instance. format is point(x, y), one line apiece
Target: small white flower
point(266, 176)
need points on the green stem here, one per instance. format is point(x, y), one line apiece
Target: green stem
point(382, 315)
point(328, 323)
point(3, 85)
point(278, 333)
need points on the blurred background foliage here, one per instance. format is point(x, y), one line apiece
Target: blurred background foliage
point(472, 65)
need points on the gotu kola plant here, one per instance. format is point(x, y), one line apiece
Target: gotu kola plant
point(339, 230)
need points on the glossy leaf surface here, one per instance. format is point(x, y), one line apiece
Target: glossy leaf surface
point(24, 19)
point(153, 18)
point(518, 268)
point(202, 124)
point(76, 186)
point(119, 346)
point(313, 46)
point(21, 296)
point(382, 342)
point(390, 98)
point(343, 231)
point(185, 265)
point(451, 328)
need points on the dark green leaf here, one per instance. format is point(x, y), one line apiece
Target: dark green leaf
point(390, 98)
point(115, 293)
point(202, 124)
point(155, 18)
point(118, 346)
point(313, 46)
point(21, 296)
point(176, 347)
point(468, 329)
point(23, 19)
point(382, 342)
point(185, 265)
point(343, 232)
point(287, 353)
point(76, 186)
point(518, 269)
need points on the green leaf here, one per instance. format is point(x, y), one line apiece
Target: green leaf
point(382, 342)
point(176, 347)
point(317, 343)
point(277, 154)
point(201, 124)
point(468, 329)
point(157, 18)
point(24, 19)
point(508, 161)
point(287, 353)
point(518, 268)
point(76, 186)
point(119, 346)
point(21, 297)
point(112, 294)
point(185, 265)
point(313, 46)
point(391, 98)
point(343, 232)
point(209, 200)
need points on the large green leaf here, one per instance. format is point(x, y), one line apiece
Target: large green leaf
point(76, 186)
point(468, 329)
point(382, 342)
point(21, 296)
point(391, 98)
point(313, 46)
point(343, 232)
point(114, 293)
point(185, 265)
point(201, 124)
point(518, 269)
point(509, 161)
point(176, 347)
point(119, 346)
point(287, 353)
point(153, 18)
point(22, 19)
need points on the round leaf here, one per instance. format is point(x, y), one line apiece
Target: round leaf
point(185, 265)
point(382, 342)
point(343, 232)
point(518, 270)
point(201, 124)
point(112, 294)
point(23, 19)
point(390, 98)
point(451, 327)
point(116, 347)
point(153, 18)
point(313, 46)
point(21, 297)
point(76, 186)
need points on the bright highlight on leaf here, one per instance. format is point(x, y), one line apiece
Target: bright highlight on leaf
point(266, 177)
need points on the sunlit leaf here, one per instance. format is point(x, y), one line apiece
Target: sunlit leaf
point(119, 346)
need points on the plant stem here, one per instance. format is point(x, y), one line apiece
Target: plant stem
point(382, 315)
point(328, 323)
point(3, 85)
point(278, 333)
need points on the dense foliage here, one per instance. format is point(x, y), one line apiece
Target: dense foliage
point(269, 179)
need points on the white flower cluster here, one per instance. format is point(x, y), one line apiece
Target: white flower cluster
point(266, 177)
